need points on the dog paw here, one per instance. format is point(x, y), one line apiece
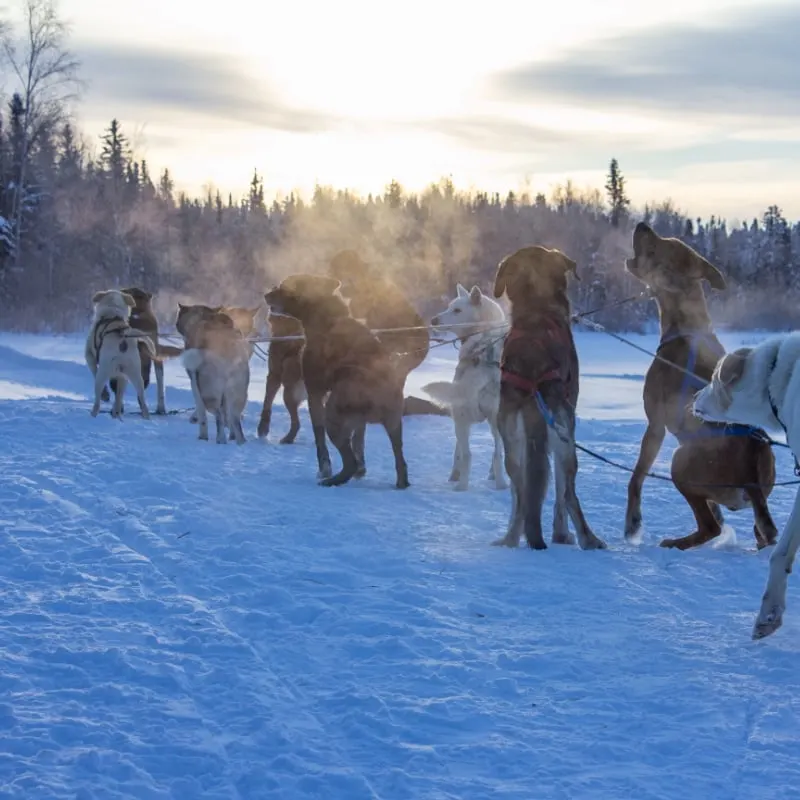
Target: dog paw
point(94, 412)
point(161, 411)
point(633, 528)
point(402, 483)
point(500, 485)
point(768, 621)
point(288, 439)
point(673, 544)
point(505, 541)
point(324, 472)
point(360, 473)
point(593, 543)
point(454, 476)
point(563, 538)
point(145, 414)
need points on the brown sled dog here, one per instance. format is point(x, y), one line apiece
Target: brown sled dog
point(143, 319)
point(380, 304)
point(715, 464)
point(284, 368)
point(538, 395)
point(344, 360)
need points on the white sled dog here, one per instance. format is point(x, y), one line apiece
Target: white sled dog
point(761, 386)
point(217, 360)
point(474, 394)
point(112, 350)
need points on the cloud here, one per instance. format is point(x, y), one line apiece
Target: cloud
point(749, 66)
point(143, 81)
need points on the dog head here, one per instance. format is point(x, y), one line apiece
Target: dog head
point(112, 303)
point(535, 276)
point(667, 264)
point(243, 318)
point(141, 298)
point(470, 311)
point(304, 296)
point(349, 269)
point(740, 390)
point(190, 318)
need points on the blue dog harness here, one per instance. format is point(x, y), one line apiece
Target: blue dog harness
point(693, 384)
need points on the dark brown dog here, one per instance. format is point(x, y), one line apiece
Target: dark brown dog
point(376, 300)
point(715, 465)
point(143, 319)
point(538, 395)
point(343, 358)
point(284, 368)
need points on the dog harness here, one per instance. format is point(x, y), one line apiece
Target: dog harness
point(102, 329)
point(693, 384)
point(545, 346)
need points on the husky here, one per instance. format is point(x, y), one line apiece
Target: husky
point(473, 396)
point(112, 351)
point(217, 360)
point(760, 386)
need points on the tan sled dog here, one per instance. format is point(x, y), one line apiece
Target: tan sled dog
point(112, 350)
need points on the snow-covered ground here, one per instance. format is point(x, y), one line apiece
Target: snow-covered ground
point(184, 620)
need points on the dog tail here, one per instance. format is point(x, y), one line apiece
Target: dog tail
point(167, 351)
point(413, 406)
point(144, 339)
point(442, 392)
point(192, 359)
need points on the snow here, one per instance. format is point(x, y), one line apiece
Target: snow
point(184, 620)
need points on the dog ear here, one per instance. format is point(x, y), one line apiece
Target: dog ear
point(181, 306)
point(148, 295)
point(475, 296)
point(710, 273)
point(501, 278)
point(98, 296)
point(569, 265)
point(461, 291)
point(329, 285)
point(129, 301)
point(643, 235)
point(732, 365)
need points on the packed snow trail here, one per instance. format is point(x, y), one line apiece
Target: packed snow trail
point(185, 620)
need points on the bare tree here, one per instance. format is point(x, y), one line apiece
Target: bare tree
point(47, 74)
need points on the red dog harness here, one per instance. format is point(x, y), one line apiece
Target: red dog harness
point(547, 346)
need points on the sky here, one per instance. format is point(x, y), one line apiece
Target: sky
point(699, 100)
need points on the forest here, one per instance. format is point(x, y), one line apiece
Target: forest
point(78, 215)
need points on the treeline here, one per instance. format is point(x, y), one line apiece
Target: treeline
point(73, 221)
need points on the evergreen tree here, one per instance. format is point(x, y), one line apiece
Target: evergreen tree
point(615, 189)
point(115, 153)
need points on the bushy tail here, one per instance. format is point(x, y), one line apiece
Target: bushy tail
point(417, 405)
point(441, 391)
point(167, 351)
point(143, 338)
point(192, 359)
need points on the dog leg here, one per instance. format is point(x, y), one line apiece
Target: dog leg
point(219, 419)
point(561, 531)
point(359, 440)
point(651, 444)
point(465, 454)
point(510, 424)
point(455, 473)
point(536, 474)
point(199, 406)
point(119, 394)
point(708, 526)
point(566, 458)
point(292, 406)
point(274, 380)
point(138, 385)
point(99, 388)
point(395, 435)
point(341, 435)
point(316, 410)
point(764, 529)
point(773, 603)
point(161, 402)
point(496, 472)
